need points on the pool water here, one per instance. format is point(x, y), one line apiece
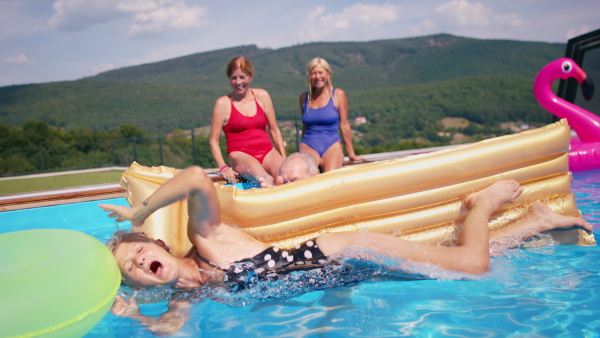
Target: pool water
point(545, 291)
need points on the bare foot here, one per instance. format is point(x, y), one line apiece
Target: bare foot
point(264, 183)
point(497, 194)
point(548, 220)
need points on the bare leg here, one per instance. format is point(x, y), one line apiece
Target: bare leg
point(249, 167)
point(272, 162)
point(540, 218)
point(308, 150)
point(471, 254)
point(333, 158)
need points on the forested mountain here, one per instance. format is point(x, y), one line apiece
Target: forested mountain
point(404, 87)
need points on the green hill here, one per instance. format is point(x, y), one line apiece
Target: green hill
point(399, 85)
point(357, 65)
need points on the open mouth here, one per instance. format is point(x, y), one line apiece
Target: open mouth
point(154, 267)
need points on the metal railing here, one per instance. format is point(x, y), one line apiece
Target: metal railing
point(175, 151)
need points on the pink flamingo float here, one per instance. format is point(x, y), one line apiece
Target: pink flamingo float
point(585, 150)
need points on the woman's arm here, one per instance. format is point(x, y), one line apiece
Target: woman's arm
point(301, 99)
point(342, 106)
point(192, 183)
point(218, 121)
point(265, 99)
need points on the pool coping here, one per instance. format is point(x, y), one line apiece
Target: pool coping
point(69, 195)
point(60, 196)
point(114, 190)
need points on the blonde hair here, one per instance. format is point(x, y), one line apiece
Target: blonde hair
point(126, 236)
point(242, 63)
point(318, 61)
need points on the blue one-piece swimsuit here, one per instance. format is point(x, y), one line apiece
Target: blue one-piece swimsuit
point(321, 126)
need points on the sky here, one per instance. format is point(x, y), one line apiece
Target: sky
point(57, 40)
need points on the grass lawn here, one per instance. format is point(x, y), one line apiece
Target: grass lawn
point(15, 186)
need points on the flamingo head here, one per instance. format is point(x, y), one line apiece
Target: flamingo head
point(585, 123)
point(563, 69)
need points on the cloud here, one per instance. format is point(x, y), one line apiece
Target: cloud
point(318, 26)
point(137, 6)
point(465, 14)
point(573, 32)
point(170, 15)
point(145, 17)
point(19, 59)
point(76, 15)
point(462, 13)
point(18, 21)
point(512, 20)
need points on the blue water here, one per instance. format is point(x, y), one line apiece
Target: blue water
point(548, 291)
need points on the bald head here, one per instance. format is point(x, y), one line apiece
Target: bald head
point(297, 167)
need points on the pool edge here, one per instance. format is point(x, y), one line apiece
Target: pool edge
point(60, 196)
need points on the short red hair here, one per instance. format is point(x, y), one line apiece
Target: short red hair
point(242, 63)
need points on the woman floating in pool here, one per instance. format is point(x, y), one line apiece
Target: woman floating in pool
point(147, 263)
point(243, 116)
point(324, 111)
point(224, 254)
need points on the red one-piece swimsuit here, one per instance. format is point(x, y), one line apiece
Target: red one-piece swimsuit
point(248, 134)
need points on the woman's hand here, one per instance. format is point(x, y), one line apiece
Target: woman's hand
point(166, 324)
point(123, 213)
point(171, 321)
point(229, 175)
point(357, 158)
point(125, 308)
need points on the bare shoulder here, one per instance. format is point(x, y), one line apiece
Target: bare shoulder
point(339, 98)
point(223, 100)
point(261, 93)
point(302, 96)
point(339, 92)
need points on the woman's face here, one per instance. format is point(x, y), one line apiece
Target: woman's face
point(240, 81)
point(319, 77)
point(146, 264)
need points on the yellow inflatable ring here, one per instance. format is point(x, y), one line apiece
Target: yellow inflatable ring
point(54, 282)
point(418, 197)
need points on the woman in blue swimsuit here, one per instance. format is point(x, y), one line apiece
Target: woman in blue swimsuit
point(324, 112)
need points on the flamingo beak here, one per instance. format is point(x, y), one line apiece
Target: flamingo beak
point(587, 88)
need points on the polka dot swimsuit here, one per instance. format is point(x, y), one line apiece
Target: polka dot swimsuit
point(271, 263)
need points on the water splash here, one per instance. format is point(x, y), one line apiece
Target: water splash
point(511, 246)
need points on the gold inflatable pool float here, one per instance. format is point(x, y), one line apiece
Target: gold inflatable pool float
point(418, 198)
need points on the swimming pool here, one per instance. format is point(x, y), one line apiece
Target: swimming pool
point(543, 291)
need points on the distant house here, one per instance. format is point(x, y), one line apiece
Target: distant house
point(515, 127)
point(520, 127)
point(360, 120)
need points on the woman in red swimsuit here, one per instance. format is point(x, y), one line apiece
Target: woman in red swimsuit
point(243, 115)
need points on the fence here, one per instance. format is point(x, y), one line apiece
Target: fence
point(179, 151)
point(174, 152)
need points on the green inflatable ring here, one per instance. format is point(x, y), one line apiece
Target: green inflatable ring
point(56, 283)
